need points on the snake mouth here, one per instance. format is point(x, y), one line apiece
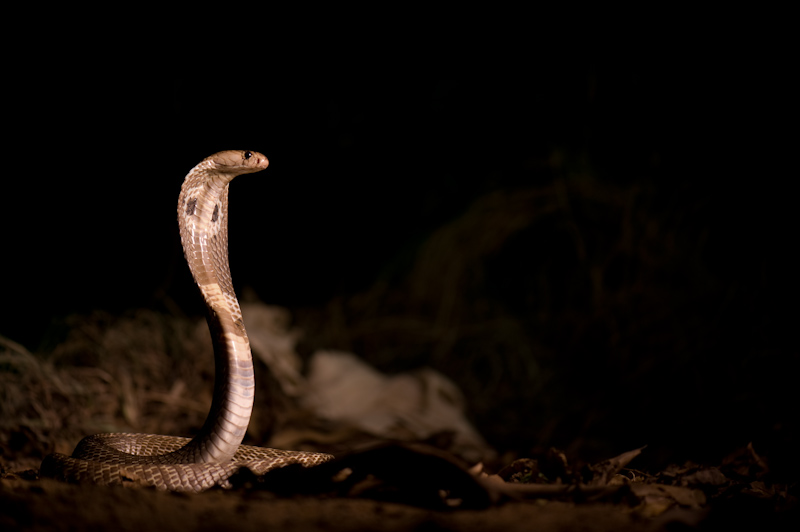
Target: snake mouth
point(255, 161)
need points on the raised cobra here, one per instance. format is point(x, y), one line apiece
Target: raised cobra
point(209, 459)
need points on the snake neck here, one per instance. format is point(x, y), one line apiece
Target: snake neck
point(203, 221)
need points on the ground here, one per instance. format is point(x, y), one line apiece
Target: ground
point(612, 496)
point(53, 506)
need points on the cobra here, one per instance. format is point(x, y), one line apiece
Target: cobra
point(210, 458)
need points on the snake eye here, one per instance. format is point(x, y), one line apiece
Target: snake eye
point(247, 155)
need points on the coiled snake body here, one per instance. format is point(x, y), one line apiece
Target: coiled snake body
point(211, 457)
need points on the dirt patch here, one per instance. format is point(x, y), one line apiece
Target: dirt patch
point(48, 505)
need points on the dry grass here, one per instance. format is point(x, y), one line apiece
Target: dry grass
point(143, 372)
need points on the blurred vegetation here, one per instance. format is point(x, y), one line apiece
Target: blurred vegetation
point(587, 314)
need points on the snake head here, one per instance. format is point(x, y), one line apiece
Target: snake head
point(238, 162)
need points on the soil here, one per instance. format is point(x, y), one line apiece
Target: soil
point(49, 505)
point(405, 497)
